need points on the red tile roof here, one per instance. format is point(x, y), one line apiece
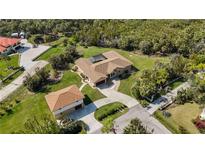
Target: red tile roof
point(6, 42)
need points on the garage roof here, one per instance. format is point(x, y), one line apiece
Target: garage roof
point(64, 97)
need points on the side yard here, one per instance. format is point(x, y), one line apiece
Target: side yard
point(91, 94)
point(180, 116)
point(5, 63)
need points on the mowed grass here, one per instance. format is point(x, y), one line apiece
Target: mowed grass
point(53, 51)
point(56, 49)
point(4, 64)
point(91, 94)
point(181, 115)
point(176, 84)
point(32, 104)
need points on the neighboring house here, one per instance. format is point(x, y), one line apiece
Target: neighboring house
point(8, 45)
point(101, 68)
point(65, 101)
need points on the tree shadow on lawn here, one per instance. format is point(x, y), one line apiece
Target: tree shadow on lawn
point(87, 100)
point(127, 75)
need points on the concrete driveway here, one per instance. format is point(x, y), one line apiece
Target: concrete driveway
point(110, 92)
point(86, 114)
point(28, 53)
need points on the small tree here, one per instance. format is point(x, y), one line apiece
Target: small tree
point(136, 127)
point(35, 82)
point(40, 125)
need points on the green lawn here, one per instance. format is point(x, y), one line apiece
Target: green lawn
point(176, 84)
point(4, 64)
point(91, 94)
point(53, 51)
point(107, 121)
point(12, 78)
point(181, 115)
point(56, 49)
point(32, 104)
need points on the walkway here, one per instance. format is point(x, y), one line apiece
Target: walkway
point(165, 99)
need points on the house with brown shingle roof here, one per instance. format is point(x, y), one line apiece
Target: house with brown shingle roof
point(65, 100)
point(101, 68)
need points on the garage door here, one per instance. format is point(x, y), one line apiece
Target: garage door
point(101, 82)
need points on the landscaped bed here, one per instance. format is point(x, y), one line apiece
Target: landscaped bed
point(108, 113)
point(181, 116)
point(91, 94)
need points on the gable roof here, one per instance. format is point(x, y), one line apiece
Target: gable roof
point(99, 70)
point(61, 98)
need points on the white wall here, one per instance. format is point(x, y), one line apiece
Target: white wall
point(69, 107)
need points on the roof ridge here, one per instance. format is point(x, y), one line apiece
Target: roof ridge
point(67, 91)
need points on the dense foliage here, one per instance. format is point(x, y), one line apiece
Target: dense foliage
point(150, 36)
point(196, 93)
point(45, 125)
point(62, 61)
point(153, 81)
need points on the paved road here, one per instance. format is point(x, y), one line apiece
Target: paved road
point(147, 120)
point(27, 55)
point(168, 97)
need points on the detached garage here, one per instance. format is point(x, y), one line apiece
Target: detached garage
point(65, 101)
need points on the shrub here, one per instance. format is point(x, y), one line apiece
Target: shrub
point(74, 127)
point(75, 68)
point(136, 127)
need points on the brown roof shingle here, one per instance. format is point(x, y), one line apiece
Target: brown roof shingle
point(61, 98)
point(99, 71)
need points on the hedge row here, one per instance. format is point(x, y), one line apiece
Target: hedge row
point(107, 110)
